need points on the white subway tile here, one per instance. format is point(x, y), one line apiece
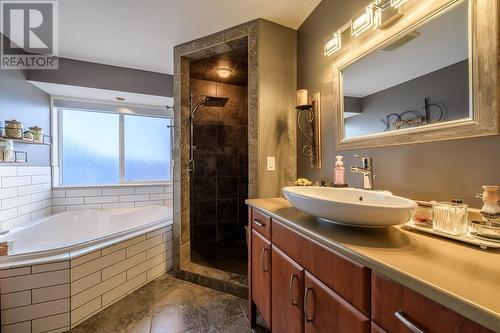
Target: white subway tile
point(47, 203)
point(136, 282)
point(29, 189)
point(40, 196)
point(6, 193)
point(14, 300)
point(41, 214)
point(51, 324)
point(97, 264)
point(114, 294)
point(16, 201)
point(122, 266)
point(107, 199)
point(83, 193)
point(144, 266)
point(4, 273)
point(122, 245)
point(97, 290)
point(67, 201)
point(148, 204)
point(158, 270)
point(85, 283)
point(41, 179)
point(58, 209)
point(118, 191)
point(169, 189)
point(33, 281)
point(16, 181)
point(143, 246)
point(128, 198)
point(54, 266)
point(149, 190)
point(8, 214)
point(52, 293)
point(160, 231)
point(75, 261)
point(154, 251)
point(34, 311)
point(83, 207)
point(24, 327)
point(163, 196)
point(84, 311)
point(8, 171)
point(58, 193)
point(27, 209)
point(30, 171)
point(118, 205)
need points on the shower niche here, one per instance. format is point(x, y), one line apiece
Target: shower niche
point(218, 162)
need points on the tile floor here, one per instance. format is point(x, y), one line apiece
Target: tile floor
point(171, 305)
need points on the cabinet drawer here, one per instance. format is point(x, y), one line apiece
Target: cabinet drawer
point(261, 222)
point(346, 277)
point(325, 311)
point(395, 308)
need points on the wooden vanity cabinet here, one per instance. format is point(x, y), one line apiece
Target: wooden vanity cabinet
point(261, 275)
point(287, 294)
point(396, 308)
point(325, 311)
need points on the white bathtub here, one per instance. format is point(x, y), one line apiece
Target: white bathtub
point(66, 268)
point(78, 232)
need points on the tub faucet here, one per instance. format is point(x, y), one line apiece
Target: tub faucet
point(366, 170)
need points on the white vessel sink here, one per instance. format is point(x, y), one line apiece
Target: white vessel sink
point(350, 206)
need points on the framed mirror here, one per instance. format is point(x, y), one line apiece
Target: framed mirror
point(433, 75)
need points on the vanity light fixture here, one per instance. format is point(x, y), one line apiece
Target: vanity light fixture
point(385, 14)
point(397, 3)
point(223, 73)
point(363, 22)
point(334, 44)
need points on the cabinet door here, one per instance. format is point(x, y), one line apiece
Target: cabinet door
point(287, 294)
point(261, 275)
point(325, 311)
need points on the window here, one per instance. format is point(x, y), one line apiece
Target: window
point(98, 148)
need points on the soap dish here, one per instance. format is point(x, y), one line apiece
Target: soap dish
point(487, 229)
point(483, 242)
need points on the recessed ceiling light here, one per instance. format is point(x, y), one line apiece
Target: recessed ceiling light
point(223, 73)
point(121, 99)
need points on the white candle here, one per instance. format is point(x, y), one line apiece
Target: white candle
point(302, 98)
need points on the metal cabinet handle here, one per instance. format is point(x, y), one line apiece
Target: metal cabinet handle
point(402, 318)
point(259, 223)
point(264, 267)
point(309, 319)
point(293, 277)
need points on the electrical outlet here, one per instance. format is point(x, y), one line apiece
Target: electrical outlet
point(271, 163)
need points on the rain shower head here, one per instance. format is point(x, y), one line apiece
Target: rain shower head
point(215, 101)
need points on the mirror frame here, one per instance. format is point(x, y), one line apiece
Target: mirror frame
point(484, 68)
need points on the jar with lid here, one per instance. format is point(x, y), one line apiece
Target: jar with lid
point(14, 129)
point(37, 133)
point(6, 150)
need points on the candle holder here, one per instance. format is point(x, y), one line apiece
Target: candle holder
point(311, 113)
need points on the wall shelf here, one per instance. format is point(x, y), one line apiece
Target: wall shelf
point(47, 140)
point(13, 156)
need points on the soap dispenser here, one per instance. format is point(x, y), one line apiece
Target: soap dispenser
point(339, 172)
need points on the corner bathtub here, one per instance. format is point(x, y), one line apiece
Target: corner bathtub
point(65, 268)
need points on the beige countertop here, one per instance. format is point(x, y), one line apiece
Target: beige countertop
point(461, 277)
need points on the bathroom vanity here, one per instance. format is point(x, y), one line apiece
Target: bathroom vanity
point(312, 276)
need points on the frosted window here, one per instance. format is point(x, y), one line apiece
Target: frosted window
point(147, 149)
point(90, 148)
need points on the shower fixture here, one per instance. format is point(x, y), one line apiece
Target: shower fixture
point(209, 101)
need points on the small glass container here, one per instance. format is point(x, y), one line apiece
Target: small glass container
point(450, 217)
point(28, 135)
point(14, 129)
point(37, 133)
point(6, 150)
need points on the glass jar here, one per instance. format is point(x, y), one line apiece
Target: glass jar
point(449, 217)
point(6, 150)
point(37, 133)
point(14, 129)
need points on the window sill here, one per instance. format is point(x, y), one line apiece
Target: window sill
point(117, 185)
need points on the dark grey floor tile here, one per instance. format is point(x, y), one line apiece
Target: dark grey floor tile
point(174, 318)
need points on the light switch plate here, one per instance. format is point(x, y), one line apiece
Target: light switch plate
point(271, 163)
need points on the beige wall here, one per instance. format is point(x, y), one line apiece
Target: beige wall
point(277, 86)
point(429, 171)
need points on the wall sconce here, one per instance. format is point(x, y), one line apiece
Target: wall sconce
point(385, 14)
point(397, 3)
point(363, 22)
point(312, 116)
point(334, 44)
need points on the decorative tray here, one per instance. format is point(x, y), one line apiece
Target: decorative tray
point(482, 242)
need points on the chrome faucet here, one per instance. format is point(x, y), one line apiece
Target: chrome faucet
point(366, 170)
